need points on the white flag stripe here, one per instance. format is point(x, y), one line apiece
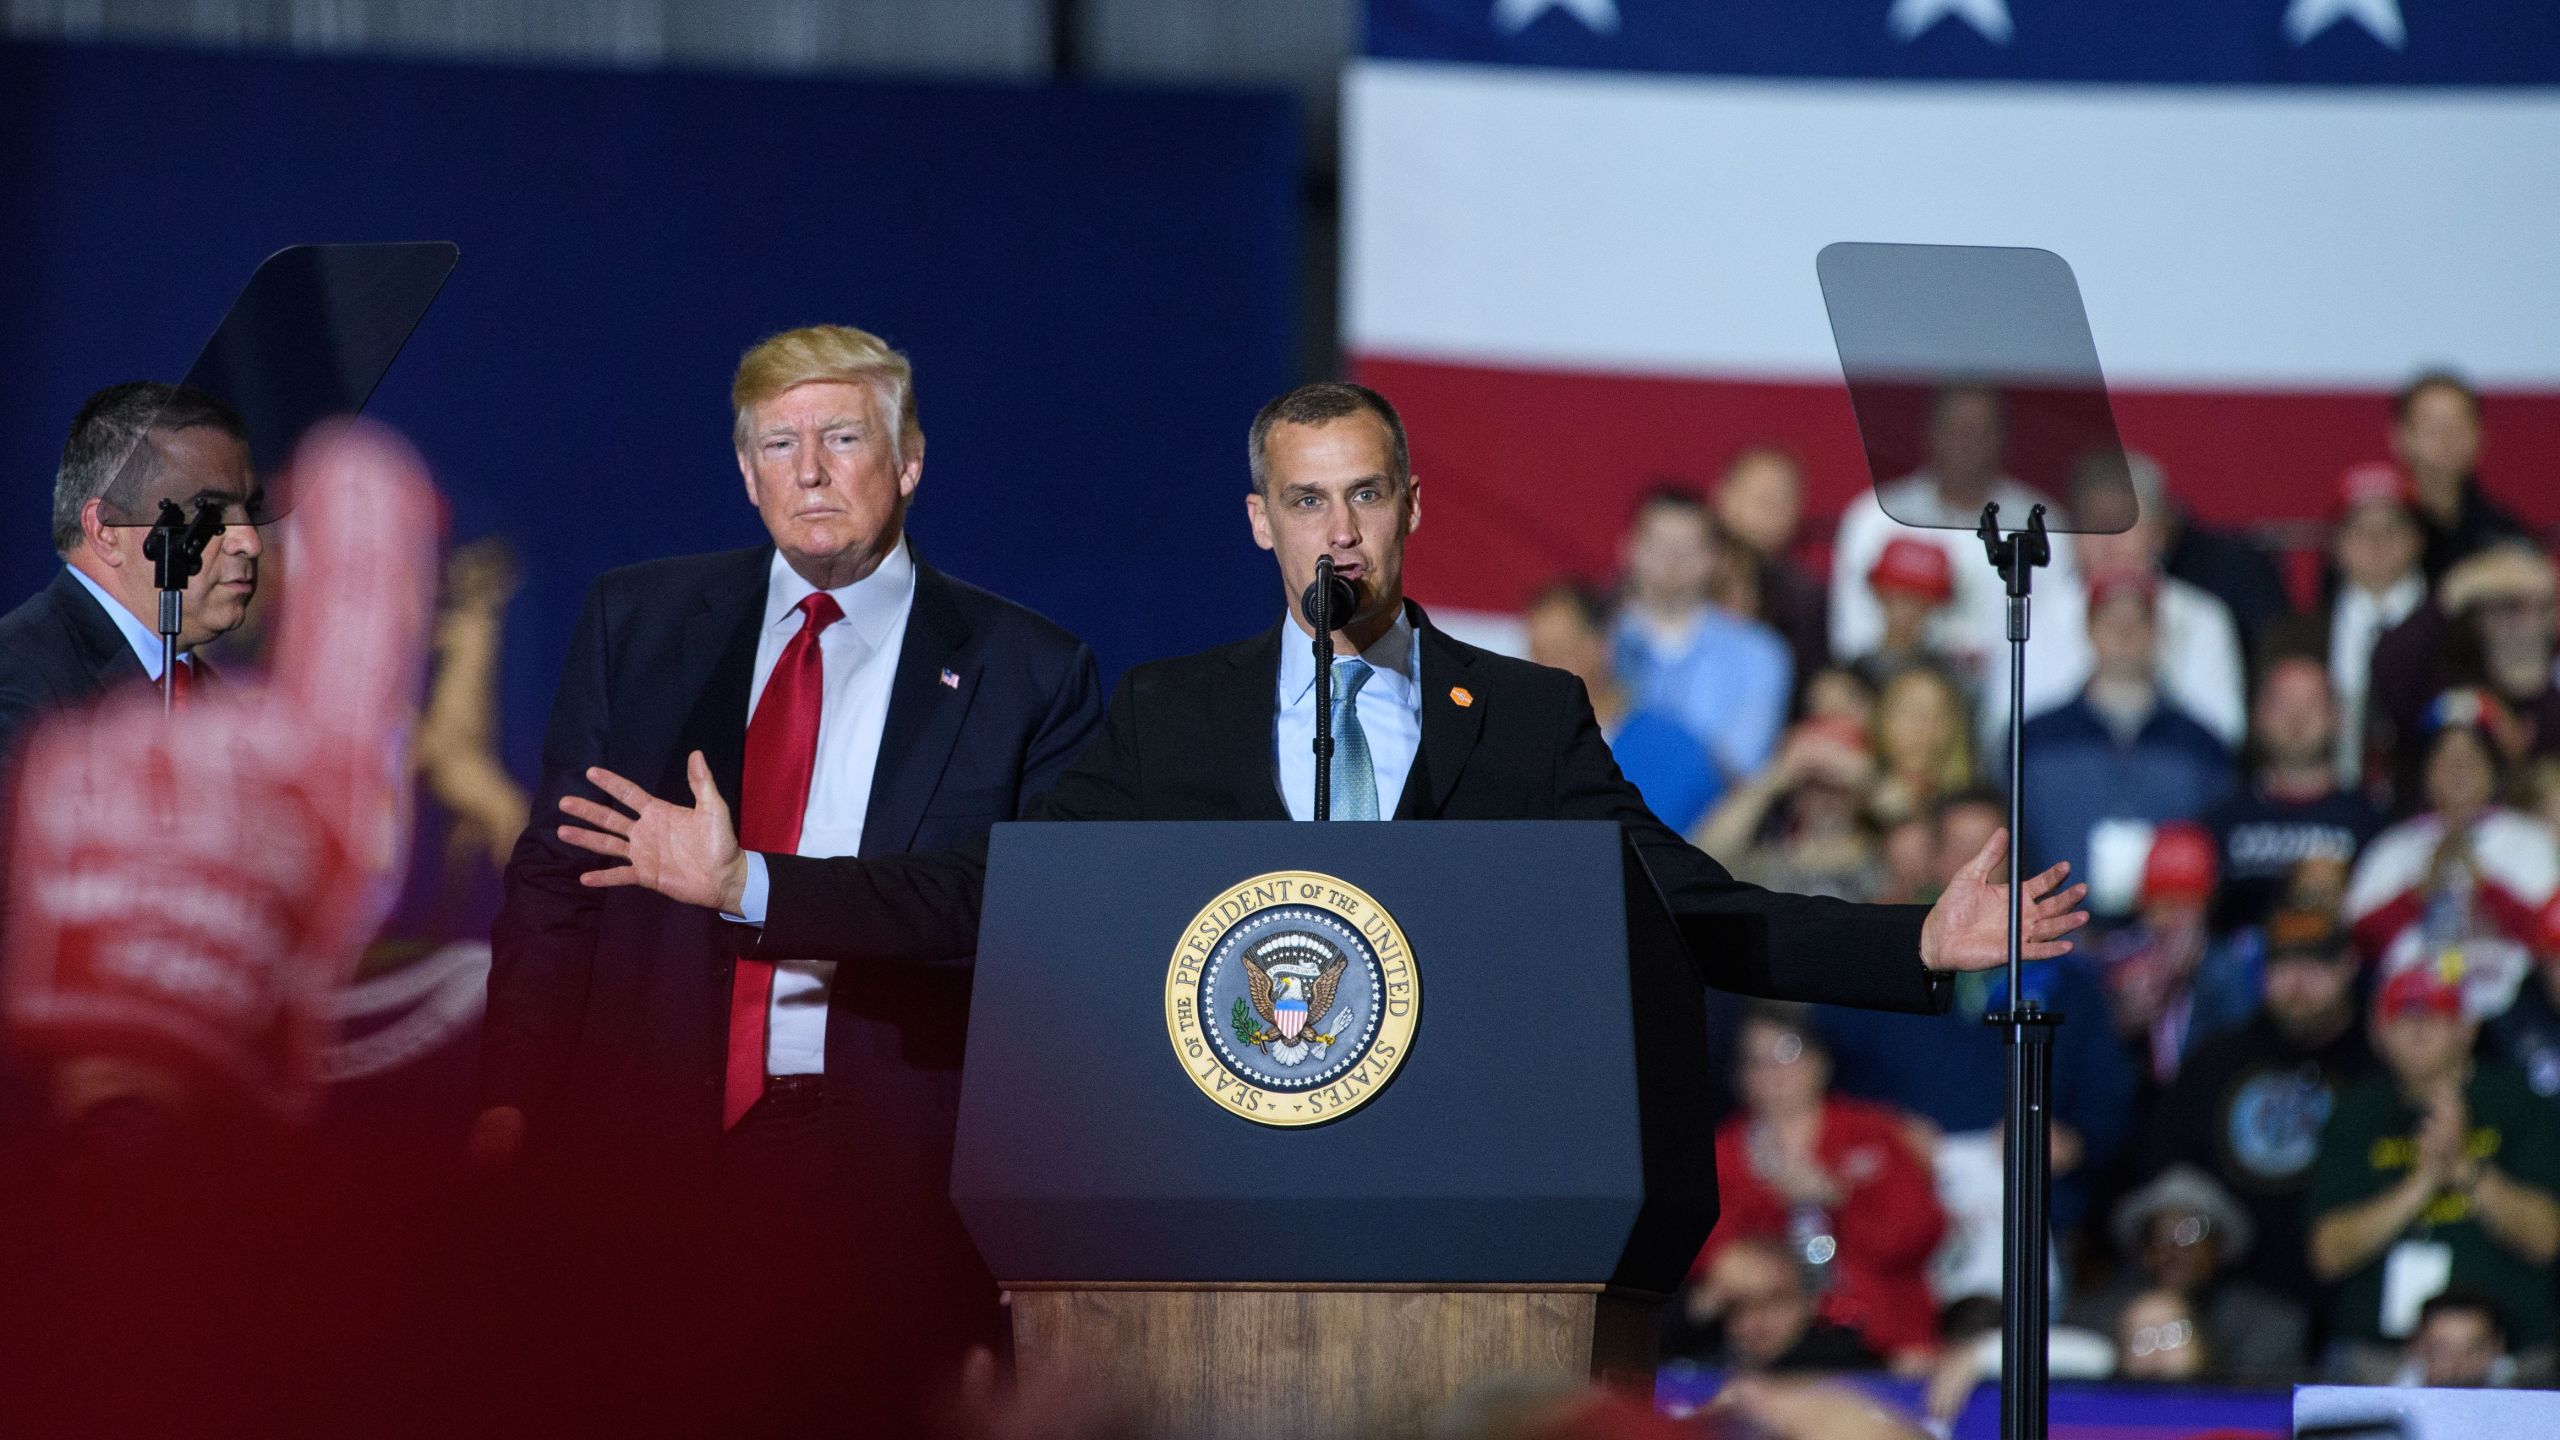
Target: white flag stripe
point(2223, 237)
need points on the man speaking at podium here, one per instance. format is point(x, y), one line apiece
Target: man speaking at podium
point(1426, 728)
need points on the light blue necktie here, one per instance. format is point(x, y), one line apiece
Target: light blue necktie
point(1355, 784)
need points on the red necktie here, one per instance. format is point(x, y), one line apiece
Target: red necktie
point(782, 749)
point(181, 680)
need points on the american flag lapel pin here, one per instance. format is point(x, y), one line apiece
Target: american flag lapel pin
point(950, 678)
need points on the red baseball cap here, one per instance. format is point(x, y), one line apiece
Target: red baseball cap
point(2182, 865)
point(1914, 566)
point(2141, 585)
point(2374, 480)
point(2418, 990)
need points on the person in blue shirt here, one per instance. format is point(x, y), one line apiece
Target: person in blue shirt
point(1568, 628)
point(1724, 677)
point(2120, 757)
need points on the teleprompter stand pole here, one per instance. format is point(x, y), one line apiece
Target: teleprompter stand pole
point(175, 548)
point(2027, 1189)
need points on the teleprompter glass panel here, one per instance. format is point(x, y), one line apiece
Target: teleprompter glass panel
point(1975, 379)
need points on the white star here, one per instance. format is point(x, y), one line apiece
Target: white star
point(2304, 19)
point(1598, 16)
point(1910, 19)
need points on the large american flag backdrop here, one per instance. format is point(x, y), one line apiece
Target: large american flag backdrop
point(1580, 235)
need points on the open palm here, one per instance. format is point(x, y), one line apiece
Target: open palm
point(1968, 929)
point(686, 853)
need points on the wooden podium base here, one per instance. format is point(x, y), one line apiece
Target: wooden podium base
point(1313, 1362)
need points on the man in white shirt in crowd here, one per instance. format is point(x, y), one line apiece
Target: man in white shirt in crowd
point(2199, 651)
point(2376, 549)
point(1967, 439)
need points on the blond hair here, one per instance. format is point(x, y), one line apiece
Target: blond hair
point(829, 352)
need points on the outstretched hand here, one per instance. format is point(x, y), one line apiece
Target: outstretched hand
point(686, 853)
point(1968, 929)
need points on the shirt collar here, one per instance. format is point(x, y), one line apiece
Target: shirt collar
point(871, 604)
point(144, 640)
point(1392, 657)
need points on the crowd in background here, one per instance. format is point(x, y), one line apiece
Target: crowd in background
point(2307, 1091)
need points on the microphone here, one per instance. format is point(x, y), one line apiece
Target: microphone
point(1329, 599)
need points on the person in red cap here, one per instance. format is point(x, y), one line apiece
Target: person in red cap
point(2167, 984)
point(2437, 1172)
point(1912, 581)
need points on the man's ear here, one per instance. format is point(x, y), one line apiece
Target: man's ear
point(911, 474)
point(747, 476)
point(1258, 517)
point(1412, 503)
point(94, 538)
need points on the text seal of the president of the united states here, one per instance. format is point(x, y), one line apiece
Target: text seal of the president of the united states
point(1291, 999)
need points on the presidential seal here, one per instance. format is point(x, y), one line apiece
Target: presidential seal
point(1291, 998)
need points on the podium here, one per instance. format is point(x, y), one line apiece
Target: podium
point(1279, 1129)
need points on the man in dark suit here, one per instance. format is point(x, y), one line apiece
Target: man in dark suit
point(1446, 731)
point(798, 1115)
point(94, 627)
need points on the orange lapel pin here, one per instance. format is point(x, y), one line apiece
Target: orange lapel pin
point(1462, 695)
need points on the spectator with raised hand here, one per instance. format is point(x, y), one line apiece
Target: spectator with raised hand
point(2436, 436)
point(2439, 1172)
point(2248, 1103)
point(202, 992)
point(2495, 628)
point(1833, 1179)
point(2182, 1234)
point(2292, 807)
point(1727, 678)
point(1800, 826)
point(1569, 629)
point(2465, 879)
point(2119, 758)
point(1753, 1310)
point(1759, 506)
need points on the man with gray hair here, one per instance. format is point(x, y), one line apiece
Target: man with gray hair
point(94, 627)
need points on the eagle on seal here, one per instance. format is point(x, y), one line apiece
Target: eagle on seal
point(1291, 980)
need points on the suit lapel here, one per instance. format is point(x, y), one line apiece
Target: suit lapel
point(929, 696)
point(725, 628)
point(1449, 728)
point(106, 657)
point(1241, 720)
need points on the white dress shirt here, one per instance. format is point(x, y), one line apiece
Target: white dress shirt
point(861, 654)
point(144, 640)
point(1390, 708)
point(1972, 630)
point(2357, 620)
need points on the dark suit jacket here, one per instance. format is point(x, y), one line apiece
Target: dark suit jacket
point(58, 650)
point(607, 1019)
point(1191, 739)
